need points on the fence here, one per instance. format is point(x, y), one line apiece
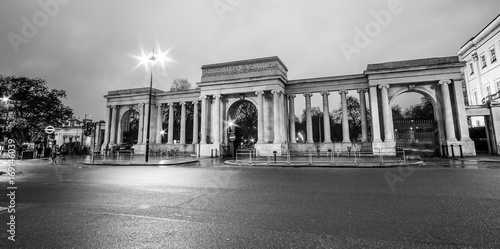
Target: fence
point(338, 157)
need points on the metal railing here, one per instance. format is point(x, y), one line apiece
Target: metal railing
point(337, 157)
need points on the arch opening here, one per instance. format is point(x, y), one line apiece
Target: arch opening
point(243, 115)
point(130, 127)
point(415, 123)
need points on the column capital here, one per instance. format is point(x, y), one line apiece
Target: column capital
point(113, 106)
point(182, 102)
point(342, 91)
point(259, 92)
point(325, 92)
point(386, 86)
point(290, 96)
point(217, 96)
point(441, 82)
point(203, 97)
point(140, 105)
point(308, 94)
point(362, 90)
point(276, 91)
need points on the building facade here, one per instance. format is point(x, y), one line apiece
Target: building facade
point(482, 77)
point(264, 83)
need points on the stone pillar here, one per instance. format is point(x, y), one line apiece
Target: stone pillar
point(107, 127)
point(170, 138)
point(283, 122)
point(114, 109)
point(374, 114)
point(217, 121)
point(276, 116)
point(364, 125)
point(159, 123)
point(326, 118)
point(345, 117)
point(462, 116)
point(195, 122)
point(141, 122)
point(309, 128)
point(260, 117)
point(183, 123)
point(448, 112)
point(292, 118)
point(203, 139)
point(386, 114)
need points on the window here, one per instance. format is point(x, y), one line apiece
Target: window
point(471, 67)
point(488, 89)
point(493, 54)
point(483, 61)
point(498, 85)
point(474, 92)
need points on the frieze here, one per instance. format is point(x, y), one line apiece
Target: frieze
point(255, 67)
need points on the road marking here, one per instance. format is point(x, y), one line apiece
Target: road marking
point(149, 217)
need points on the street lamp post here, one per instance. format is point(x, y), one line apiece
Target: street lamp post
point(152, 58)
point(81, 139)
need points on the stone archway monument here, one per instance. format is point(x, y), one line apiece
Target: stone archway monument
point(260, 81)
point(264, 83)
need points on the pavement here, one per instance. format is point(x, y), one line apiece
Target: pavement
point(339, 162)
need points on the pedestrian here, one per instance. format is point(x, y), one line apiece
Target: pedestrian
point(39, 151)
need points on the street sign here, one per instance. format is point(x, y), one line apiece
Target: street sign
point(232, 137)
point(50, 129)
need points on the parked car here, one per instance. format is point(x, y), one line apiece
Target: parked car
point(126, 147)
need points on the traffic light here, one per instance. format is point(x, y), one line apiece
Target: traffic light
point(88, 128)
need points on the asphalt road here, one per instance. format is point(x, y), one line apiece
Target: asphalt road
point(193, 206)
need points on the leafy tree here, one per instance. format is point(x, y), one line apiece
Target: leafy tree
point(246, 119)
point(180, 84)
point(422, 111)
point(31, 107)
point(397, 112)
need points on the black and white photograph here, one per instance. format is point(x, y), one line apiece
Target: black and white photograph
point(249, 124)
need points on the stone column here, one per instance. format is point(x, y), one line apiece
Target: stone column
point(170, 139)
point(386, 114)
point(462, 116)
point(448, 112)
point(292, 118)
point(217, 121)
point(195, 122)
point(159, 123)
point(183, 123)
point(309, 128)
point(260, 117)
point(141, 123)
point(326, 118)
point(203, 139)
point(374, 113)
point(345, 117)
point(364, 125)
point(114, 109)
point(107, 127)
point(283, 118)
point(276, 116)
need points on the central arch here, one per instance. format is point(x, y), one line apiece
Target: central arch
point(130, 127)
point(422, 134)
point(244, 115)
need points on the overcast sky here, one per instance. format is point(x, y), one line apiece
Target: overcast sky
point(87, 47)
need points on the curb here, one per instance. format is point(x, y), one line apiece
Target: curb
point(419, 163)
point(142, 164)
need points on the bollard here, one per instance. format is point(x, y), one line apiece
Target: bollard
point(348, 151)
point(461, 151)
point(275, 152)
point(452, 152)
point(212, 153)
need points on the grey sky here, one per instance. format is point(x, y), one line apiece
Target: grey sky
point(87, 47)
